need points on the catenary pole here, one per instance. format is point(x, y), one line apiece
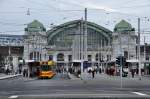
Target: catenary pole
point(85, 36)
point(120, 54)
point(139, 49)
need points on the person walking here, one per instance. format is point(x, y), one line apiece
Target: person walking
point(132, 72)
point(93, 73)
point(24, 73)
point(78, 73)
point(100, 70)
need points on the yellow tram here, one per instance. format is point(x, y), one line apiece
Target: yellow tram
point(46, 69)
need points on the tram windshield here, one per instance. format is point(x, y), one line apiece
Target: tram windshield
point(45, 67)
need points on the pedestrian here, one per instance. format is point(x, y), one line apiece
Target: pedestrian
point(24, 73)
point(100, 70)
point(96, 69)
point(27, 73)
point(108, 71)
point(89, 71)
point(65, 70)
point(20, 71)
point(132, 72)
point(103, 70)
point(7, 71)
point(93, 73)
point(111, 71)
point(79, 73)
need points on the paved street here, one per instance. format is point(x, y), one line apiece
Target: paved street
point(104, 38)
point(60, 85)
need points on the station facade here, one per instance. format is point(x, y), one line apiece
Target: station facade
point(65, 43)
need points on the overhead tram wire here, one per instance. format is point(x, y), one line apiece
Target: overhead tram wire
point(147, 18)
point(115, 12)
point(139, 6)
point(129, 2)
point(63, 2)
point(11, 31)
point(79, 10)
point(78, 5)
point(37, 11)
point(2, 13)
point(39, 4)
point(125, 14)
point(96, 9)
point(11, 24)
point(48, 6)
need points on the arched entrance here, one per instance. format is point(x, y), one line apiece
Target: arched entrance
point(60, 62)
point(60, 57)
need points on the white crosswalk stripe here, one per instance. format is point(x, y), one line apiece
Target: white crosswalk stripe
point(138, 93)
point(13, 97)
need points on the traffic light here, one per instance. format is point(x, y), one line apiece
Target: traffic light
point(121, 60)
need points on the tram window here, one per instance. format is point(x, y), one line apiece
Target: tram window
point(45, 67)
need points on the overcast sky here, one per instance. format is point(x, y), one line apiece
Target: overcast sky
point(13, 13)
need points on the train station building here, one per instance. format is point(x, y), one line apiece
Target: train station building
point(66, 42)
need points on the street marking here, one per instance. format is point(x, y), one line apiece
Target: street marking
point(13, 97)
point(138, 93)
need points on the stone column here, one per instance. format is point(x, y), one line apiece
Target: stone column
point(55, 57)
point(93, 55)
point(15, 64)
point(66, 58)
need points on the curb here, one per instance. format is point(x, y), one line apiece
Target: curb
point(10, 76)
point(72, 78)
point(79, 96)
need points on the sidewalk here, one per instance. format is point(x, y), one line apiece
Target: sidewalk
point(102, 76)
point(73, 77)
point(105, 76)
point(4, 76)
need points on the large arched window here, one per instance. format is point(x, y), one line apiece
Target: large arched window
point(60, 57)
point(63, 35)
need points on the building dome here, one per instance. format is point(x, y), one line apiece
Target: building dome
point(35, 26)
point(123, 26)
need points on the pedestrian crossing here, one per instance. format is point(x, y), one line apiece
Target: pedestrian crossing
point(87, 95)
point(139, 93)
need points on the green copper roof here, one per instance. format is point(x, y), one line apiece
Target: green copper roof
point(35, 26)
point(123, 26)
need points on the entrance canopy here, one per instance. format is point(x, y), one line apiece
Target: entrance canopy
point(132, 61)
